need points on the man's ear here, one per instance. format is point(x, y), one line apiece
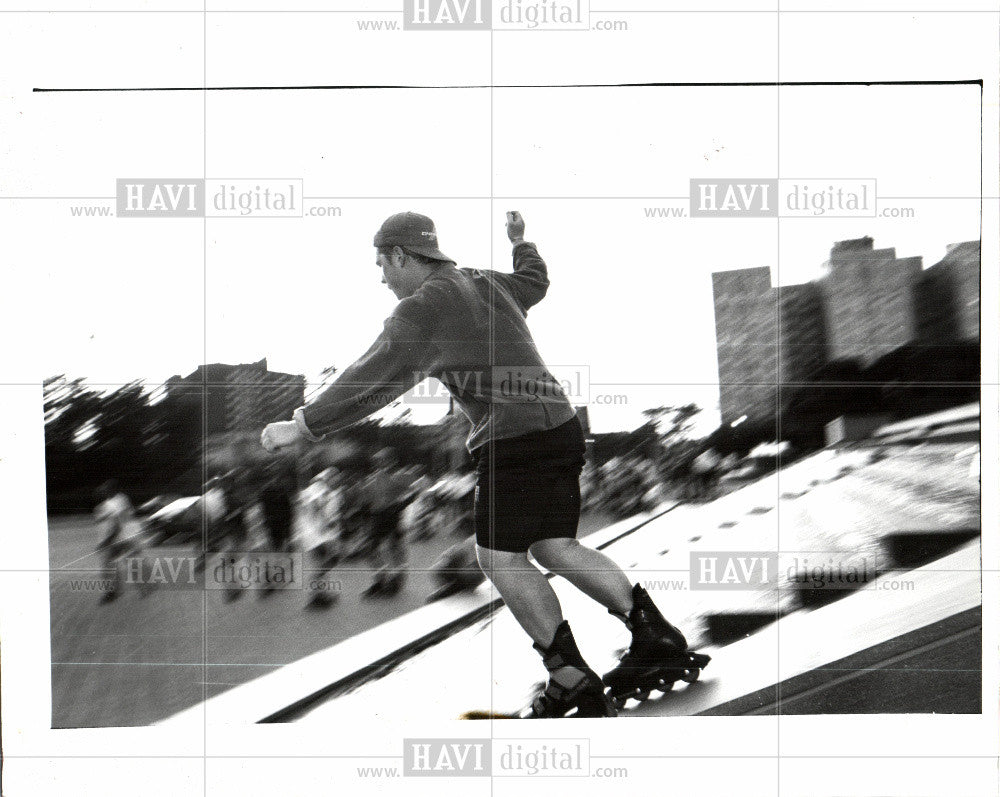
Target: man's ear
point(398, 256)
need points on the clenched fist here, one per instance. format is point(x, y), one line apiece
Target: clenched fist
point(515, 226)
point(279, 435)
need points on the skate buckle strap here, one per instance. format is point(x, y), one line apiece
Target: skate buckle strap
point(550, 698)
point(639, 617)
point(630, 619)
point(555, 691)
point(568, 678)
point(558, 693)
point(553, 661)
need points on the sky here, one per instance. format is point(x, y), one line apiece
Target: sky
point(631, 296)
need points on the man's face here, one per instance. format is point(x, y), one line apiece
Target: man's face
point(392, 271)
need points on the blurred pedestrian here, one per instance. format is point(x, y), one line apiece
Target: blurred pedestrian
point(233, 523)
point(321, 510)
point(704, 471)
point(418, 516)
point(387, 491)
point(117, 527)
point(456, 570)
point(276, 503)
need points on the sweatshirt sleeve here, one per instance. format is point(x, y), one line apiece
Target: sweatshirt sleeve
point(530, 281)
point(380, 376)
point(395, 363)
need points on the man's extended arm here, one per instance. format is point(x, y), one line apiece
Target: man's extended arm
point(387, 370)
point(380, 376)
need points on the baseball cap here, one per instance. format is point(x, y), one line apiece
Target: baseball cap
point(412, 231)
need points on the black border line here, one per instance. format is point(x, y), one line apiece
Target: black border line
point(358, 87)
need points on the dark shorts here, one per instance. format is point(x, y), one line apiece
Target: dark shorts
point(528, 488)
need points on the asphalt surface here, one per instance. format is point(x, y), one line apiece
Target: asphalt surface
point(144, 657)
point(935, 669)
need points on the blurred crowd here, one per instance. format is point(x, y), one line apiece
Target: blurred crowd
point(368, 509)
point(622, 486)
point(627, 485)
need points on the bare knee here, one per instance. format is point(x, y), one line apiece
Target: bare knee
point(551, 553)
point(490, 560)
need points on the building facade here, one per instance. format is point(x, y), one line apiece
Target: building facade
point(868, 296)
point(745, 342)
point(767, 340)
point(241, 397)
point(948, 296)
point(869, 303)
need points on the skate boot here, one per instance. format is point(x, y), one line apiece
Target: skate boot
point(657, 657)
point(377, 588)
point(393, 583)
point(321, 600)
point(573, 688)
point(445, 591)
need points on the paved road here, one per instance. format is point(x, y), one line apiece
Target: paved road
point(140, 659)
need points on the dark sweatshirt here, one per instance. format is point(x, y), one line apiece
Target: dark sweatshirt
point(465, 327)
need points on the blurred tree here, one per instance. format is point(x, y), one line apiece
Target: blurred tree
point(92, 436)
point(672, 422)
point(325, 377)
point(69, 406)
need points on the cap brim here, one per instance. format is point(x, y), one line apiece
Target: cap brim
point(431, 252)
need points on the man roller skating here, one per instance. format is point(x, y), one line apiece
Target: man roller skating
point(467, 328)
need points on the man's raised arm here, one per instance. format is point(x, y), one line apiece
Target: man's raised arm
point(529, 282)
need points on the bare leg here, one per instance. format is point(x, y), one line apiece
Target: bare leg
point(112, 572)
point(525, 590)
point(588, 570)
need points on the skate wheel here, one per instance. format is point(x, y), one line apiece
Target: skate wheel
point(664, 685)
point(619, 702)
point(690, 676)
point(641, 694)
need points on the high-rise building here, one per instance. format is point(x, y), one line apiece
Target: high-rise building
point(240, 397)
point(947, 296)
point(745, 342)
point(868, 304)
point(257, 396)
point(768, 341)
point(868, 295)
point(802, 344)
